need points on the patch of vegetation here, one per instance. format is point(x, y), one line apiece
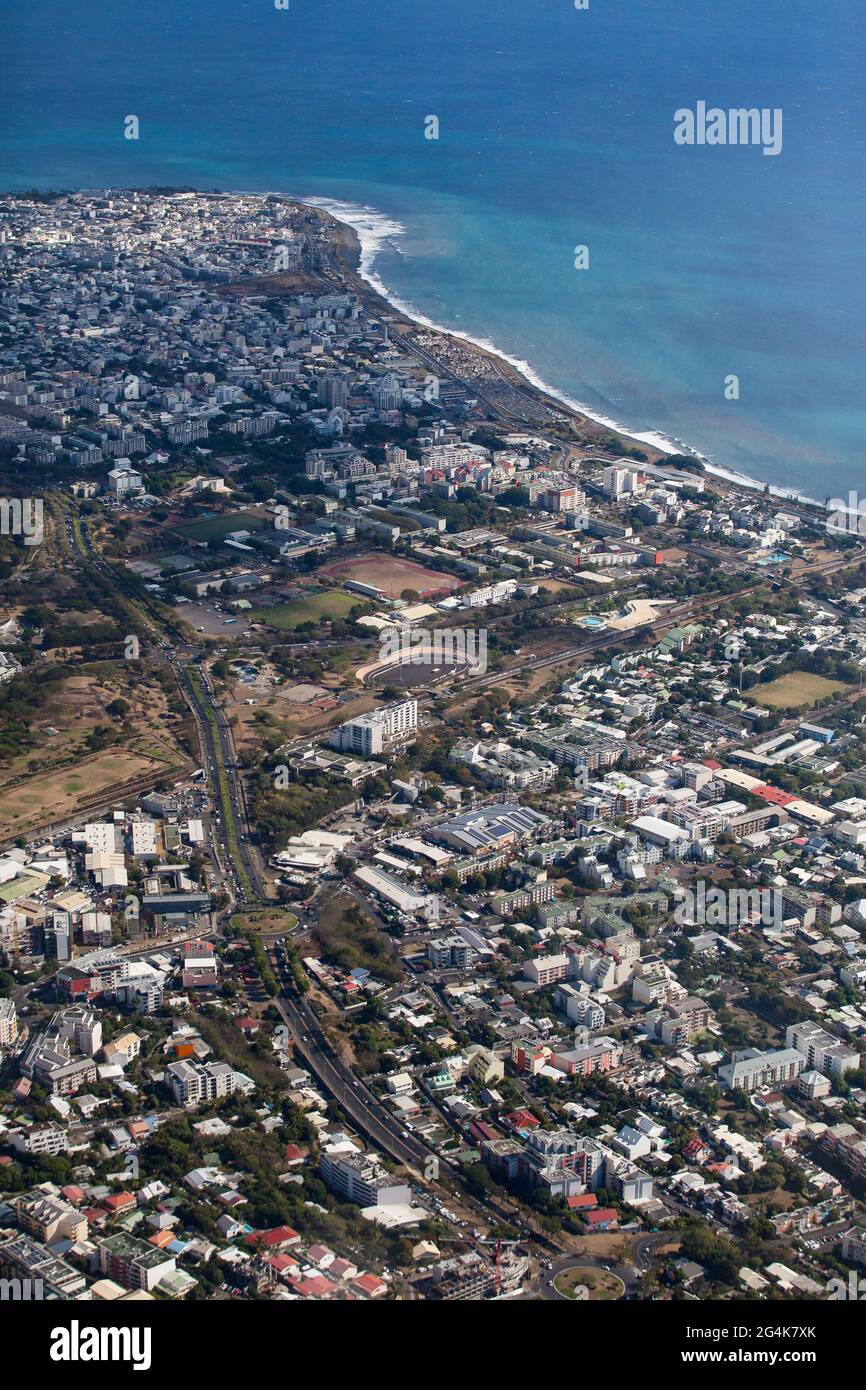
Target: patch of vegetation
point(348, 937)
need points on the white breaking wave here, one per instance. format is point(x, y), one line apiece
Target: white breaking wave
point(374, 228)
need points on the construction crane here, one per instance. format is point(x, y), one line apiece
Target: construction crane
point(475, 1241)
point(497, 1261)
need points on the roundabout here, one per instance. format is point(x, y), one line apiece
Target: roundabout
point(588, 1284)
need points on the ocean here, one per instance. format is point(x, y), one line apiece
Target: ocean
point(723, 305)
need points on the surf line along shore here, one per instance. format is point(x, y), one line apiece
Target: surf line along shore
point(576, 429)
point(495, 380)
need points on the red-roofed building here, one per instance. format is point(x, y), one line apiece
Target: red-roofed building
point(276, 1239)
point(774, 795)
point(294, 1155)
point(73, 1194)
point(118, 1202)
point(522, 1121)
point(315, 1287)
point(585, 1202)
point(602, 1219)
point(695, 1151)
point(727, 1171)
point(369, 1285)
point(282, 1264)
point(161, 1239)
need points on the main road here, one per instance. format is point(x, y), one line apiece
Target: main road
point(356, 1100)
point(230, 828)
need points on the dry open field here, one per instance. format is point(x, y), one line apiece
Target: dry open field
point(284, 282)
point(54, 796)
point(795, 690)
point(48, 781)
point(392, 575)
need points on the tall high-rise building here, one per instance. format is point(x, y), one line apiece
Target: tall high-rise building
point(618, 481)
point(374, 732)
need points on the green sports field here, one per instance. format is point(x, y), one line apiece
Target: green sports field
point(216, 527)
point(310, 609)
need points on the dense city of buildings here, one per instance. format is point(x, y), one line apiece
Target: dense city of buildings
point(433, 827)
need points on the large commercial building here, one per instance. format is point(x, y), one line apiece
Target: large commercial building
point(372, 733)
point(393, 891)
point(359, 1178)
point(502, 825)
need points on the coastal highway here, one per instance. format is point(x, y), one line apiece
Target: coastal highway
point(337, 277)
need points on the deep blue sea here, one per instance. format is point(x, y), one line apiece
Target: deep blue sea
point(555, 130)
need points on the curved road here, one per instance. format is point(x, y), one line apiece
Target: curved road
point(641, 1251)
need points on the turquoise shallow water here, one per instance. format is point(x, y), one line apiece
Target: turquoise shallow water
point(556, 130)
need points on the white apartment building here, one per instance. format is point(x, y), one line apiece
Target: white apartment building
point(492, 593)
point(8, 1022)
point(359, 1178)
point(618, 481)
point(193, 1082)
point(546, 970)
point(750, 1070)
point(81, 1026)
point(822, 1052)
point(41, 1139)
point(372, 733)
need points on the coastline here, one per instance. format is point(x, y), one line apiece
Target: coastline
point(363, 230)
point(366, 230)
